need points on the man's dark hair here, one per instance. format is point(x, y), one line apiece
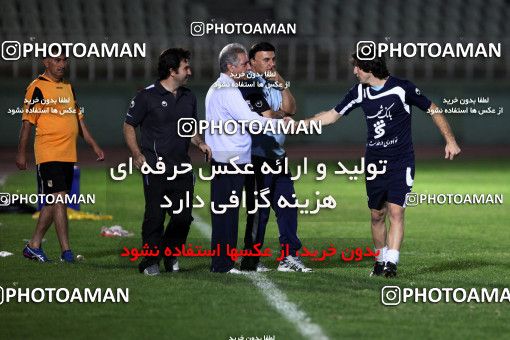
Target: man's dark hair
point(377, 66)
point(171, 59)
point(262, 46)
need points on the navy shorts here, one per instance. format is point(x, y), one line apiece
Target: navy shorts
point(54, 177)
point(393, 185)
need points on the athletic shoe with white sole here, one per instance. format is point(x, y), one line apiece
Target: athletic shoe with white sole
point(261, 268)
point(171, 264)
point(234, 271)
point(390, 269)
point(67, 256)
point(293, 264)
point(35, 254)
point(378, 269)
point(152, 270)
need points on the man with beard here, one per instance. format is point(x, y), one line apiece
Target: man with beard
point(157, 110)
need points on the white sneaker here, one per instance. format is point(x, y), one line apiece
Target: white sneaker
point(234, 271)
point(261, 268)
point(293, 264)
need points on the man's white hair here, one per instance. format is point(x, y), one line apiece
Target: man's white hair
point(229, 55)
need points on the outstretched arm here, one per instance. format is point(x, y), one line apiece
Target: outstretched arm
point(274, 114)
point(326, 117)
point(451, 149)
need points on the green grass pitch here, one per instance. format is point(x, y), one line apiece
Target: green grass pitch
point(444, 246)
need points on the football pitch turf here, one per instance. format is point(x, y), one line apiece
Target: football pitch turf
point(444, 246)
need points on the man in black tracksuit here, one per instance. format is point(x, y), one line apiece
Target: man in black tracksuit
point(157, 110)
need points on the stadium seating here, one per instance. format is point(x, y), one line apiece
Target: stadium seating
point(324, 28)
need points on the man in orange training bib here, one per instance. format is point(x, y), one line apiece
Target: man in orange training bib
point(50, 105)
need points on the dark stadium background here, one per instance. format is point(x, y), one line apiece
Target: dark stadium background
point(445, 245)
point(315, 61)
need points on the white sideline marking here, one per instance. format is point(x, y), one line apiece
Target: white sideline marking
point(275, 297)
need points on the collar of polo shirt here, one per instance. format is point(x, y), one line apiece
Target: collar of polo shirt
point(226, 78)
point(181, 90)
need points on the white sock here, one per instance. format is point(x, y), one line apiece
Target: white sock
point(392, 255)
point(382, 253)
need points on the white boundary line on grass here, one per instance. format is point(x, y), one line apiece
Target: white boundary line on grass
point(276, 297)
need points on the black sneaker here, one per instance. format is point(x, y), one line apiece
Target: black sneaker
point(152, 270)
point(249, 263)
point(145, 263)
point(390, 270)
point(378, 269)
point(171, 264)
